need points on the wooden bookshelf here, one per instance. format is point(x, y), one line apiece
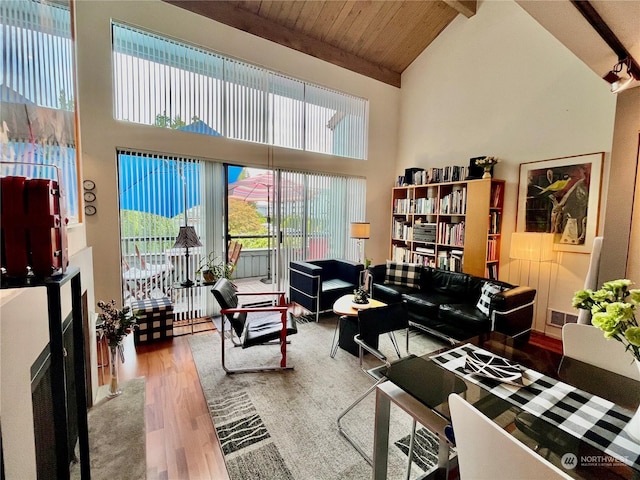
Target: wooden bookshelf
point(453, 225)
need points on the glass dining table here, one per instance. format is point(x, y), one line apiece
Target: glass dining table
point(567, 399)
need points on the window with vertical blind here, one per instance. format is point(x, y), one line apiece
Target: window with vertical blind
point(37, 124)
point(158, 194)
point(317, 226)
point(163, 82)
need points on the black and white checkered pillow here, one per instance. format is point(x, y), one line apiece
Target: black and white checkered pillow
point(488, 291)
point(407, 274)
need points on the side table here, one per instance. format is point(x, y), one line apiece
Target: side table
point(187, 293)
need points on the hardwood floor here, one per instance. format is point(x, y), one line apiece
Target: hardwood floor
point(181, 441)
point(543, 341)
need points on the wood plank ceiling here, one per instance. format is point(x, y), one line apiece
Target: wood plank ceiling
point(376, 38)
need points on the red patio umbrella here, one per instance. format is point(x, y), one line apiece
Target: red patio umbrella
point(260, 188)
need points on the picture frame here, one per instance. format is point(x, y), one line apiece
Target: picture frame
point(562, 196)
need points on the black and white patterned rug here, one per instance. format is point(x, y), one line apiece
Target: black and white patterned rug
point(282, 425)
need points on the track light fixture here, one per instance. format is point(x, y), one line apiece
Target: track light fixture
point(620, 81)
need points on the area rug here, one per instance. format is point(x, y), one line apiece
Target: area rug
point(282, 425)
point(117, 438)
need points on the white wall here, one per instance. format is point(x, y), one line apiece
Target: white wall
point(24, 332)
point(499, 84)
point(621, 245)
point(101, 135)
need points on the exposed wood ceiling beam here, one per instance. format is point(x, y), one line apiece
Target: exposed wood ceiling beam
point(246, 21)
point(599, 25)
point(466, 7)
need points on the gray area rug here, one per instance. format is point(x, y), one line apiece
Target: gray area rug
point(282, 425)
point(117, 437)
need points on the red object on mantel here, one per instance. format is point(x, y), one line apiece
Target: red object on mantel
point(33, 227)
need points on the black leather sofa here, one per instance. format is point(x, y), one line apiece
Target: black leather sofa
point(317, 284)
point(444, 304)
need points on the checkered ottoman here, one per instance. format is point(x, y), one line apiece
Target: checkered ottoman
point(155, 319)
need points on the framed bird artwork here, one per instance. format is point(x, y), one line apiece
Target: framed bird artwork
point(562, 196)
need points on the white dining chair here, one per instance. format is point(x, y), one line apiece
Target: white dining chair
point(486, 451)
point(587, 344)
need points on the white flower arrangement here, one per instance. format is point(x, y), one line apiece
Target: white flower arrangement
point(487, 161)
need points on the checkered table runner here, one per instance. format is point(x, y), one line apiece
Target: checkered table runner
point(595, 420)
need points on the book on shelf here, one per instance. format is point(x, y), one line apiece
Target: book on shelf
point(451, 233)
point(491, 271)
point(492, 250)
point(494, 222)
point(495, 195)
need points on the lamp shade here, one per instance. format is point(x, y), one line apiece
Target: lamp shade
point(187, 238)
point(360, 229)
point(532, 246)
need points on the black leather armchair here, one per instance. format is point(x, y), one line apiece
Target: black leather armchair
point(317, 284)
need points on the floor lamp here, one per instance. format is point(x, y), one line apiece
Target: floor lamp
point(360, 231)
point(533, 247)
point(187, 238)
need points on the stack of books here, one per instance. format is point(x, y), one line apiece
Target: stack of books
point(424, 232)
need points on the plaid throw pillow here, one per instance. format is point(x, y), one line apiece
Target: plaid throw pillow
point(488, 291)
point(407, 274)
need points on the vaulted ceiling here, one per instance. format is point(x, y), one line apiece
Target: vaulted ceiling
point(380, 38)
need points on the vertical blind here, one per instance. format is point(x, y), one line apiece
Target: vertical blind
point(316, 225)
point(162, 82)
point(158, 194)
point(36, 94)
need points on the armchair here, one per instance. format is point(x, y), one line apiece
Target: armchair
point(317, 284)
point(253, 330)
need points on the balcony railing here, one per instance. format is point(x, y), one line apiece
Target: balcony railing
point(155, 275)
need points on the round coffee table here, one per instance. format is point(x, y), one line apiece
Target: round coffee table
point(344, 307)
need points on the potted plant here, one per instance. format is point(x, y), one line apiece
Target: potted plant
point(360, 298)
point(212, 268)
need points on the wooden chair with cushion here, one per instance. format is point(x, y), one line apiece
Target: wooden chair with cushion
point(486, 451)
point(233, 254)
point(271, 325)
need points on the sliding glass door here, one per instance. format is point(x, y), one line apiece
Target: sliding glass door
point(314, 217)
point(280, 216)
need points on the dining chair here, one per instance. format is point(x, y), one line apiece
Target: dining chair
point(486, 451)
point(372, 323)
point(588, 344)
point(253, 326)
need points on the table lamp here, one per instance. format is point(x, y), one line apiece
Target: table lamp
point(187, 238)
point(360, 231)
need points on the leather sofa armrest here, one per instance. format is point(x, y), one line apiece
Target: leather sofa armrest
point(512, 312)
point(512, 298)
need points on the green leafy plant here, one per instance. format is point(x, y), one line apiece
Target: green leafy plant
point(613, 311)
point(213, 267)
